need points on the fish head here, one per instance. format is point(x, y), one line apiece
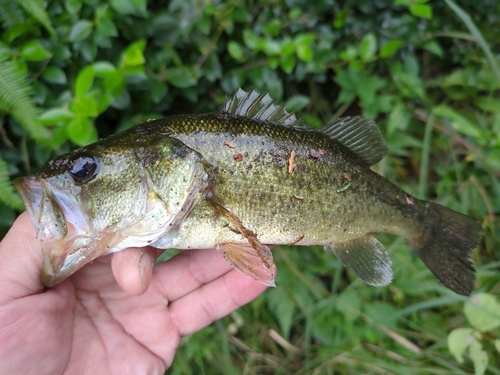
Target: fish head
point(106, 197)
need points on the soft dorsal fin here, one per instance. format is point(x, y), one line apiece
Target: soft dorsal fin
point(360, 135)
point(260, 107)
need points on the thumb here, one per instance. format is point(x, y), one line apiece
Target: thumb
point(21, 261)
point(133, 268)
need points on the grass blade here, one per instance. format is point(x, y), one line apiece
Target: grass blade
point(476, 34)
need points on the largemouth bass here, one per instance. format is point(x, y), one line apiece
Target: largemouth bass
point(239, 181)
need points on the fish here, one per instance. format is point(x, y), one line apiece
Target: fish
point(241, 181)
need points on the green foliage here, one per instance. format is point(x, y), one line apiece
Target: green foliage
point(483, 313)
point(426, 71)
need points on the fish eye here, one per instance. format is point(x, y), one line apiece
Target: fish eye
point(84, 169)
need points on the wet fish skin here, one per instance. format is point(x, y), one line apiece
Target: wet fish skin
point(238, 180)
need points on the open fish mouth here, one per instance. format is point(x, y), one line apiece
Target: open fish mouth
point(60, 226)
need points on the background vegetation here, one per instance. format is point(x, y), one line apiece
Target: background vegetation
point(75, 70)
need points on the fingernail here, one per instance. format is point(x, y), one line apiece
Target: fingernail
point(144, 261)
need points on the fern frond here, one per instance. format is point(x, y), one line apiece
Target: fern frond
point(10, 13)
point(36, 9)
point(8, 195)
point(15, 99)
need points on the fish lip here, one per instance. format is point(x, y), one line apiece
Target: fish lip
point(31, 190)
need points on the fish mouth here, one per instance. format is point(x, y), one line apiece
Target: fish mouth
point(60, 226)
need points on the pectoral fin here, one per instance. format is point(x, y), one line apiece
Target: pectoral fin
point(258, 264)
point(367, 258)
point(253, 258)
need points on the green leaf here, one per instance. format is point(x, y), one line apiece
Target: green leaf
point(483, 312)
point(287, 48)
point(272, 27)
point(59, 136)
point(294, 13)
point(80, 31)
point(304, 38)
point(85, 107)
point(103, 101)
point(5, 51)
point(339, 20)
point(114, 82)
point(181, 78)
point(133, 54)
point(458, 121)
point(235, 50)
point(103, 68)
point(134, 7)
point(304, 52)
point(15, 98)
point(488, 104)
point(421, 10)
point(479, 357)
point(73, 6)
point(134, 74)
point(408, 84)
point(158, 91)
point(10, 14)
point(382, 313)
point(54, 74)
point(303, 44)
point(55, 116)
point(296, 103)
point(106, 27)
point(458, 341)
point(250, 39)
point(497, 345)
point(349, 54)
point(8, 194)
point(367, 87)
point(368, 47)
point(36, 9)
point(287, 63)
point(34, 51)
point(433, 47)
point(271, 47)
point(398, 119)
point(283, 308)
point(349, 304)
point(84, 81)
point(81, 131)
point(390, 48)
point(60, 53)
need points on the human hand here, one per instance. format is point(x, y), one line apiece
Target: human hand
point(99, 320)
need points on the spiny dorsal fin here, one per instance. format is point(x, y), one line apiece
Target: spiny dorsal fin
point(360, 135)
point(260, 107)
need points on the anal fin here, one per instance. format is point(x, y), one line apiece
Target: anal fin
point(367, 258)
point(258, 264)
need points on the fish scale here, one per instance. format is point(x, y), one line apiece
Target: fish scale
point(249, 177)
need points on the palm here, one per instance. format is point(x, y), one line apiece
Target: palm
point(89, 324)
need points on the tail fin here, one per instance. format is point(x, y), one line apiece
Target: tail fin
point(445, 243)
